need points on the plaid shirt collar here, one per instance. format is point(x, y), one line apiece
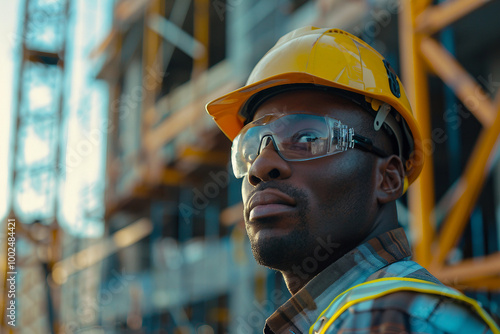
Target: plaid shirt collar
point(299, 313)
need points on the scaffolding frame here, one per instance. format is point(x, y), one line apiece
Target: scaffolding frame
point(421, 55)
point(43, 48)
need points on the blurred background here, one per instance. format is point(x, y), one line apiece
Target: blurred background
point(128, 218)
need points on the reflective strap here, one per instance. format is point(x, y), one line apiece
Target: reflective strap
point(384, 286)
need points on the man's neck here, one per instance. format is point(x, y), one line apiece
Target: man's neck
point(296, 277)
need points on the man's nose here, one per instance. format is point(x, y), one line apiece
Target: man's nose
point(268, 165)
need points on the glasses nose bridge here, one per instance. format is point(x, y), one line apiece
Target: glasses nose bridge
point(264, 141)
point(268, 165)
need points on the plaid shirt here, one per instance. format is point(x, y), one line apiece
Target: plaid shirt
point(400, 312)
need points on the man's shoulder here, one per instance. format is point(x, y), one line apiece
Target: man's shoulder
point(414, 302)
point(406, 269)
point(416, 312)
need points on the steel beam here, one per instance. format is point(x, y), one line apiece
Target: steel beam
point(468, 189)
point(422, 55)
point(202, 35)
point(435, 18)
point(151, 62)
point(470, 269)
point(421, 193)
point(181, 120)
point(457, 78)
point(199, 156)
point(87, 257)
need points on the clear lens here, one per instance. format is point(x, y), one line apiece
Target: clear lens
point(298, 137)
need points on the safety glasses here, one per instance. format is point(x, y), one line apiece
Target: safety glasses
point(295, 137)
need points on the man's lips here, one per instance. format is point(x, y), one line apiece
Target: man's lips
point(269, 202)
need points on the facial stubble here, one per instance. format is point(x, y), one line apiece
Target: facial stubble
point(281, 253)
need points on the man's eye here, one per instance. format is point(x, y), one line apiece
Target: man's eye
point(305, 141)
point(305, 137)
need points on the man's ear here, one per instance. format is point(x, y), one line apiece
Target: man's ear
point(390, 179)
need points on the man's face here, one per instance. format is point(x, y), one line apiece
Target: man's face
point(292, 208)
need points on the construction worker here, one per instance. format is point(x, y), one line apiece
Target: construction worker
point(325, 139)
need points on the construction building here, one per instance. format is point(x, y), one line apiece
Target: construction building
point(175, 257)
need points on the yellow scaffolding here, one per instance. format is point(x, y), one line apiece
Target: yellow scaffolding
point(422, 55)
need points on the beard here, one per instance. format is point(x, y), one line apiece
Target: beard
point(281, 253)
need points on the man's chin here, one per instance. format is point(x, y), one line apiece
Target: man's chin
point(276, 251)
point(269, 259)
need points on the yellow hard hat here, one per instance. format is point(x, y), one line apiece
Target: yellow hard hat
point(329, 58)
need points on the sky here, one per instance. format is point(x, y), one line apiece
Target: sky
point(8, 24)
point(81, 184)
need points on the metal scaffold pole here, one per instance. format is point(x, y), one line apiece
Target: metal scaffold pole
point(39, 114)
point(422, 56)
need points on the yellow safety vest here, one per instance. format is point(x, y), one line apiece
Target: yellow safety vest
point(383, 286)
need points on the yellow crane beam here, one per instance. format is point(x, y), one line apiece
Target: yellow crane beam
point(421, 194)
point(435, 18)
point(421, 56)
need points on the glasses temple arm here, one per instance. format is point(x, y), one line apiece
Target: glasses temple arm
point(367, 145)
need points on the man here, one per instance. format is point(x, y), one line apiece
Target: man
point(325, 139)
